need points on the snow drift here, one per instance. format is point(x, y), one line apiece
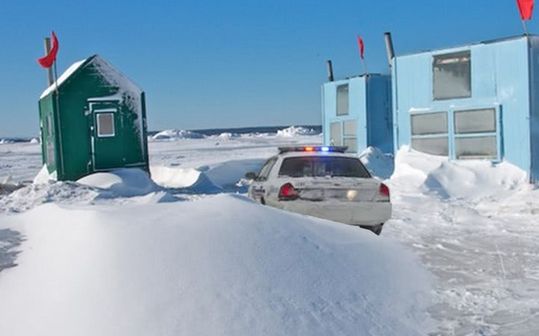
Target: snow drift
point(219, 266)
point(293, 131)
point(117, 185)
point(174, 135)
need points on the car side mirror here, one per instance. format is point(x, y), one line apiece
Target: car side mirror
point(251, 175)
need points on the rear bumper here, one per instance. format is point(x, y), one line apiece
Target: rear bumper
point(353, 213)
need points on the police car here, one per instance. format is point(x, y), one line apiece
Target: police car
point(324, 182)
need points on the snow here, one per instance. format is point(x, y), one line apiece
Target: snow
point(44, 176)
point(201, 268)
point(192, 257)
point(175, 135)
point(293, 131)
point(378, 163)
point(474, 224)
point(74, 67)
point(122, 182)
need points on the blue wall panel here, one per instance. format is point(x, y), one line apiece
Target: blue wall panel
point(499, 79)
point(369, 105)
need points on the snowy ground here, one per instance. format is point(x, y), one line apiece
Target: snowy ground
point(473, 225)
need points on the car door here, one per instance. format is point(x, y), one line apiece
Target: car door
point(260, 184)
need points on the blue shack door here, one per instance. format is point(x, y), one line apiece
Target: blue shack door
point(107, 141)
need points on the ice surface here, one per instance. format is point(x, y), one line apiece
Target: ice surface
point(473, 224)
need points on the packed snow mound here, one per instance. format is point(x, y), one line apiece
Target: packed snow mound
point(118, 186)
point(44, 177)
point(228, 175)
point(219, 266)
point(378, 163)
point(125, 182)
point(228, 136)
point(34, 141)
point(190, 179)
point(470, 179)
point(36, 194)
point(173, 135)
point(293, 131)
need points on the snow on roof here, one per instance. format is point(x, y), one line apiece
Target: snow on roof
point(74, 67)
point(113, 76)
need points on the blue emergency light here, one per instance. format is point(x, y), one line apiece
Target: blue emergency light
point(325, 149)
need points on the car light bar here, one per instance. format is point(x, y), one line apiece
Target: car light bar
point(334, 149)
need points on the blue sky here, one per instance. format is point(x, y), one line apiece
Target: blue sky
point(209, 64)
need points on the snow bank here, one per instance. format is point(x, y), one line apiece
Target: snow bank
point(122, 182)
point(223, 177)
point(219, 266)
point(228, 136)
point(470, 179)
point(44, 176)
point(193, 180)
point(293, 131)
point(379, 164)
point(173, 135)
point(116, 186)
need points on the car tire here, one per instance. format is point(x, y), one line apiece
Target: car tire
point(376, 229)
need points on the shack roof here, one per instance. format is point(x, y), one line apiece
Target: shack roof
point(112, 75)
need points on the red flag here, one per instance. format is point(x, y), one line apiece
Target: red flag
point(361, 46)
point(526, 9)
point(48, 60)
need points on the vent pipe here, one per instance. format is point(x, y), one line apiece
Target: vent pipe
point(389, 48)
point(50, 78)
point(330, 71)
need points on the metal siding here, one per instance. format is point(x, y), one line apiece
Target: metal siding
point(369, 106)
point(358, 110)
point(379, 116)
point(499, 77)
point(534, 110)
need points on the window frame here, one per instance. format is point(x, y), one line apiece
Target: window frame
point(479, 134)
point(269, 164)
point(453, 136)
point(339, 102)
point(448, 55)
point(98, 124)
point(438, 135)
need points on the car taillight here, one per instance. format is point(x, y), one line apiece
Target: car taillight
point(287, 192)
point(383, 190)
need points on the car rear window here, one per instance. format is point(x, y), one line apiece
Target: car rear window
point(310, 166)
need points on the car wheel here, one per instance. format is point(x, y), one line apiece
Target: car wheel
point(376, 229)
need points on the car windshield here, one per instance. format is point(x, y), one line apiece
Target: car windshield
point(314, 166)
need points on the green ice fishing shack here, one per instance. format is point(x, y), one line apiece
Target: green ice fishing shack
point(92, 119)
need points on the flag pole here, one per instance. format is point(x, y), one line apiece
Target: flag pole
point(365, 70)
point(525, 27)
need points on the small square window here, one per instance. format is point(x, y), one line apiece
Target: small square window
point(434, 146)
point(342, 100)
point(451, 75)
point(105, 125)
point(475, 121)
point(335, 134)
point(429, 123)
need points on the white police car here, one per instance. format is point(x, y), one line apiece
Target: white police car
point(322, 181)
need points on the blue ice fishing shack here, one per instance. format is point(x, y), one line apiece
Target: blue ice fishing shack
point(478, 101)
